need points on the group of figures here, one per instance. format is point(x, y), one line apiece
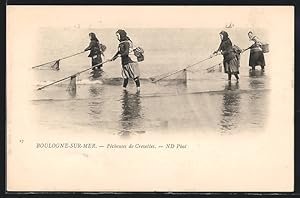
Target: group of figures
point(130, 68)
point(231, 54)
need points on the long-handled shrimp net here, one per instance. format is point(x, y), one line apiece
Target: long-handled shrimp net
point(72, 78)
point(55, 64)
point(211, 69)
point(179, 76)
point(171, 78)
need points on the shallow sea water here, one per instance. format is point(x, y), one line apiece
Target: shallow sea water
point(207, 102)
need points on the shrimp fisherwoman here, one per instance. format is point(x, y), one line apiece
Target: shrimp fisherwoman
point(256, 53)
point(95, 52)
point(130, 68)
point(230, 58)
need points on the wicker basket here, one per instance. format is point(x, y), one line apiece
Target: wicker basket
point(265, 48)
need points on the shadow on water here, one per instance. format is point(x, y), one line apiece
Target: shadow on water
point(231, 107)
point(131, 113)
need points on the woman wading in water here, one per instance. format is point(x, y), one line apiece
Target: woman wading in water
point(130, 68)
point(95, 52)
point(230, 58)
point(256, 53)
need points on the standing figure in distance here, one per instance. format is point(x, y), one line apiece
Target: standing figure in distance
point(230, 59)
point(256, 54)
point(130, 68)
point(95, 52)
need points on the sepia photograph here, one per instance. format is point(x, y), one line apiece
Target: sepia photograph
point(150, 98)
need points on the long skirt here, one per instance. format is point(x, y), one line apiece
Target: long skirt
point(232, 66)
point(131, 70)
point(96, 59)
point(257, 58)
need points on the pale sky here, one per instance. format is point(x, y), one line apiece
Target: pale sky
point(145, 16)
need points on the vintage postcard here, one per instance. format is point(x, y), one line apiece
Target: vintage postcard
point(150, 98)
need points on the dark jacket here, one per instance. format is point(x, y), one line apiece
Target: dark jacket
point(123, 48)
point(94, 47)
point(226, 48)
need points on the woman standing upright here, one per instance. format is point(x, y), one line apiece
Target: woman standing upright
point(130, 68)
point(95, 52)
point(256, 53)
point(230, 59)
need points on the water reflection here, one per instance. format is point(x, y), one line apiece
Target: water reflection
point(96, 74)
point(95, 106)
point(95, 90)
point(256, 84)
point(257, 79)
point(257, 101)
point(253, 112)
point(256, 73)
point(72, 87)
point(131, 113)
point(72, 93)
point(231, 107)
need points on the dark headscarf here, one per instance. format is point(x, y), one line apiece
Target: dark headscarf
point(123, 35)
point(225, 45)
point(225, 40)
point(225, 35)
point(93, 36)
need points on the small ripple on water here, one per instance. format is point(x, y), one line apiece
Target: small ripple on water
point(234, 106)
